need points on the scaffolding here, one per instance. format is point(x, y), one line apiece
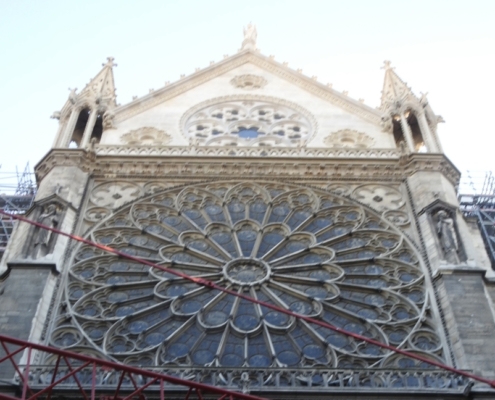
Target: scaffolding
point(476, 196)
point(17, 191)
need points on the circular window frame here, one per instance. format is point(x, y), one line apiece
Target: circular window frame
point(310, 120)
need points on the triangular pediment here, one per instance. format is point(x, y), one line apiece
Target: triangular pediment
point(253, 57)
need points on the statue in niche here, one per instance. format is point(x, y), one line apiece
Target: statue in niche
point(42, 237)
point(448, 237)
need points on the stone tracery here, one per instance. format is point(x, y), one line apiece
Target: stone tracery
point(249, 121)
point(306, 250)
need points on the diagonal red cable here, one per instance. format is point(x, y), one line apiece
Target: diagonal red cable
point(212, 285)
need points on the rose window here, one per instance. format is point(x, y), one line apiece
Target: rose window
point(304, 250)
point(248, 123)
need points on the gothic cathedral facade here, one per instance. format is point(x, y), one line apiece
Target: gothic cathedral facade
point(267, 183)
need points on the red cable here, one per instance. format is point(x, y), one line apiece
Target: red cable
point(206, 283)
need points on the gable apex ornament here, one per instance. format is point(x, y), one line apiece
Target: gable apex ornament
point(250, 36)
point(110, 63)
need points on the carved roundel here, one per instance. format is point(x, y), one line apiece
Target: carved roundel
point(248, 82)
point(304, 250)
point(349, 138)
point(146, 136)
point(248, 121)
point(114, 194)
point(380, 197)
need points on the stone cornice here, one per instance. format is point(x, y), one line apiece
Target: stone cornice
point(159, 96)
point(215, 151)
point(296, 167)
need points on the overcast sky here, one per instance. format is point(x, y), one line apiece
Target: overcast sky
point(445, 48)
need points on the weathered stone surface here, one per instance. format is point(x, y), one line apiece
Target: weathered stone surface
point(473, 319)
point(22, 293)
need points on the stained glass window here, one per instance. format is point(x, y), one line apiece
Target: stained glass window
point(305, 250)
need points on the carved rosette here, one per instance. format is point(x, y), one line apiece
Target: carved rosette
point(146, 136)
point(349, 138)
point(248, 82)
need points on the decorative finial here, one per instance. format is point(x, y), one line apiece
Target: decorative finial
point(110, 62)
point(250, 36)
point(387, 65)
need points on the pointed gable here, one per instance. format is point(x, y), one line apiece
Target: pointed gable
point(393, 86)
point(99, 91)
point(248, 56)
point(325, 117)
point(102, 86)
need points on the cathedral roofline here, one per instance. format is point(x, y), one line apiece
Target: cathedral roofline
point(247, 55)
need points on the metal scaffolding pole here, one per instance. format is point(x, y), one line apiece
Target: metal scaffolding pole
point(477, 200)
point(15, 198)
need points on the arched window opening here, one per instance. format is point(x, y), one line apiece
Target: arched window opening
point(397, 129)
point(98, 128)
point(419, 143)
point(77, 134)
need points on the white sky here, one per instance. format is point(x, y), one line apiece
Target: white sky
point(445, 48)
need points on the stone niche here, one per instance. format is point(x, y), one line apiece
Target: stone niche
point(40, 244)
point(442, 218)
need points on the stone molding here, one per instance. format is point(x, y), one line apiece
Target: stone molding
point(188, 165)
point(213, 151)
point(159, 96)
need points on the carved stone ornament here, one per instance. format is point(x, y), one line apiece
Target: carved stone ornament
point(114, 194)
point(146, 136)
point(248, 82)
point(349, 138)
point(380, 197)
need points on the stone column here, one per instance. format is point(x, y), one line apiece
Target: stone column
point(60, 133)
point(69, 128)
point(89, 129)
point(406, 131)
point(426, 133)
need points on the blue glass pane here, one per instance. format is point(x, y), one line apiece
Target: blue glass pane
point(248, 133)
